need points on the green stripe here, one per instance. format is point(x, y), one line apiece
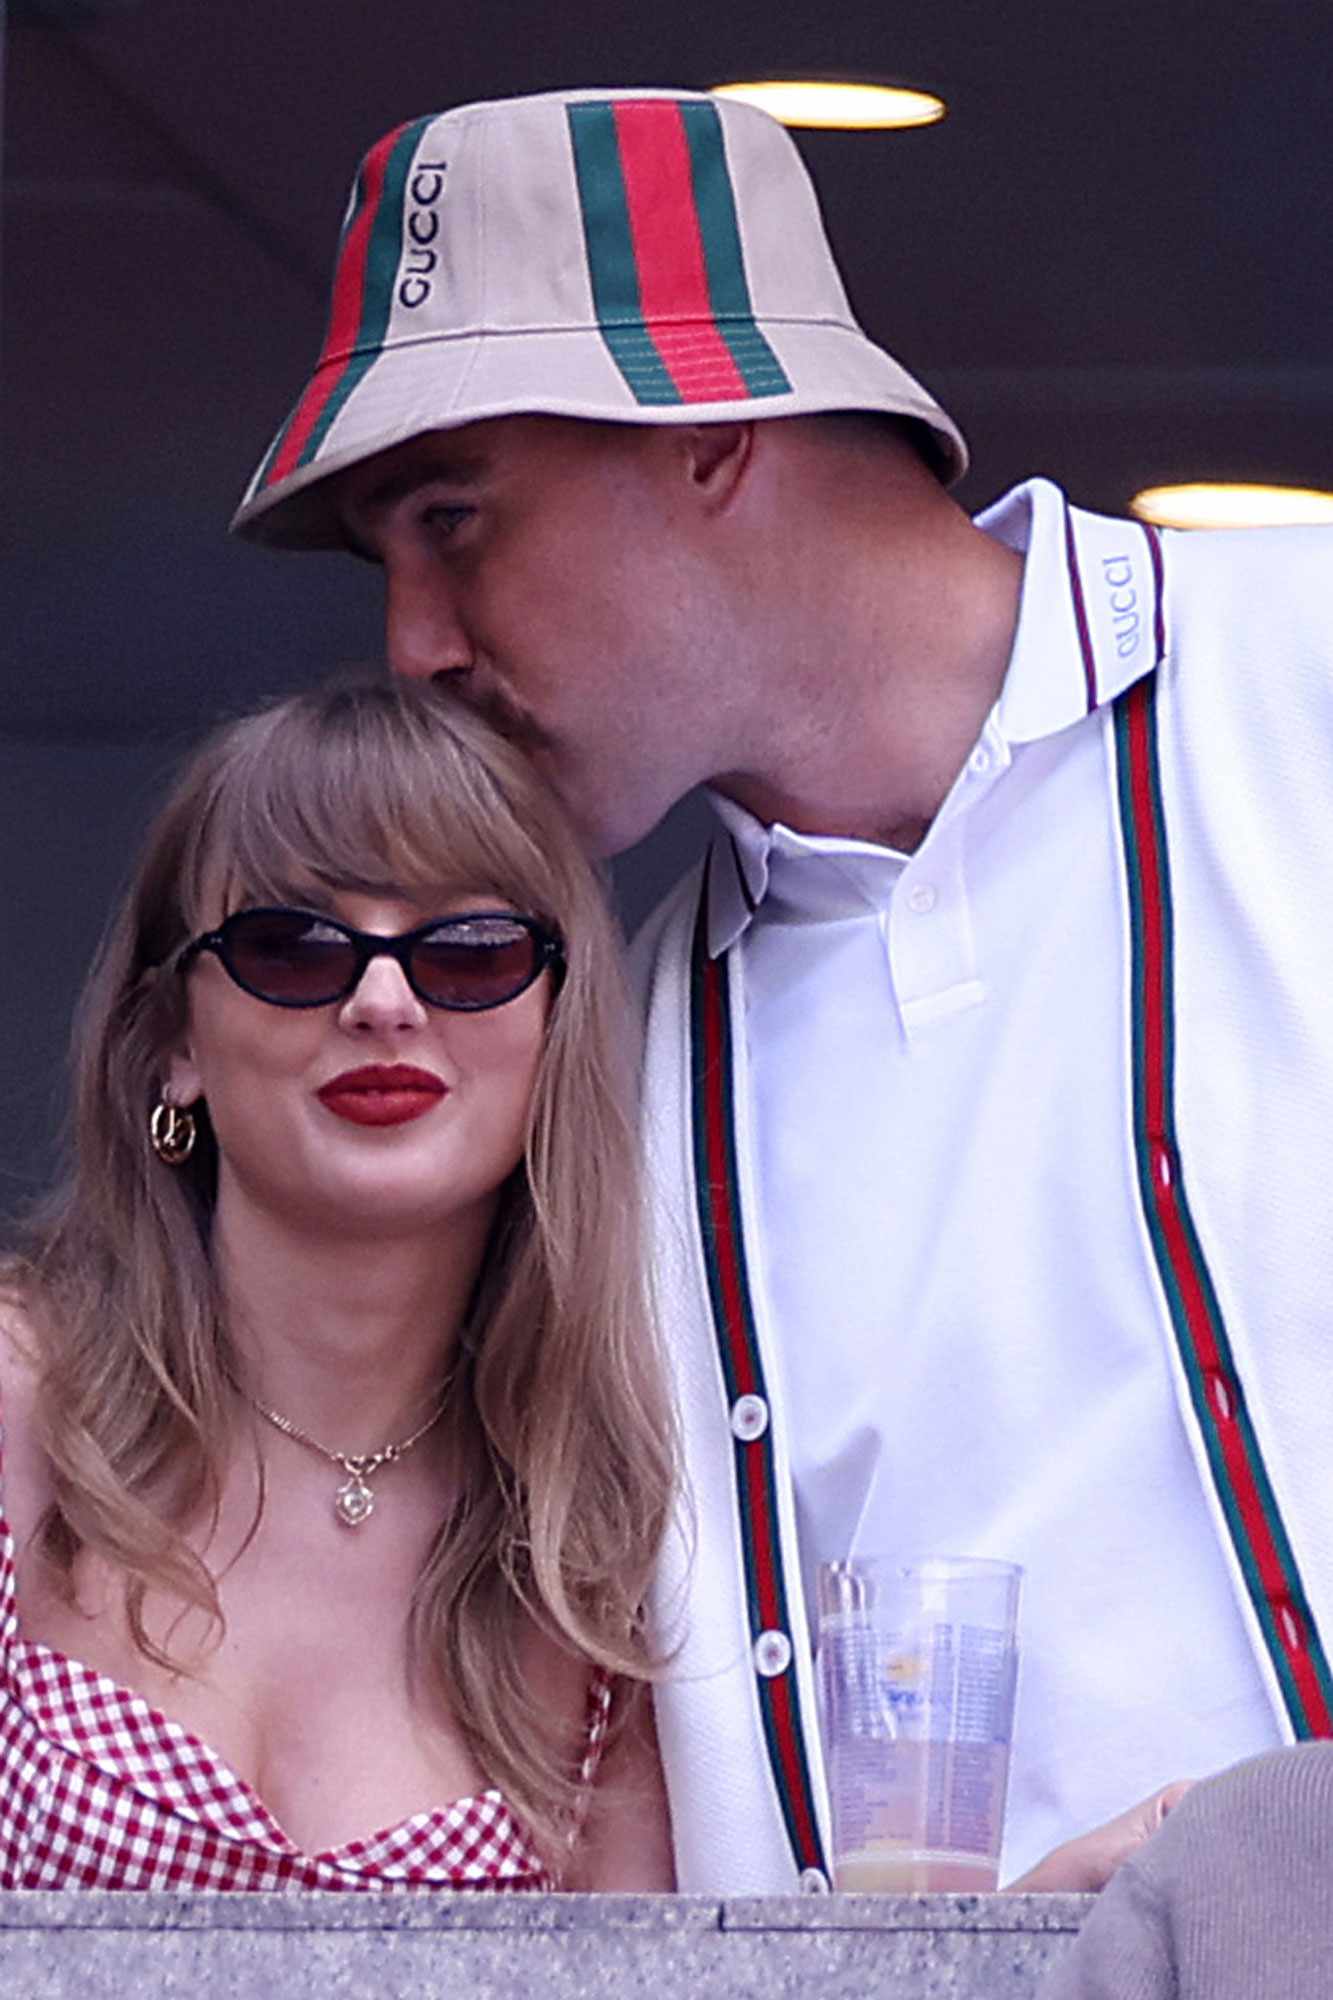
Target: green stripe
point(704, 1196)
point(1168, 973)
point(1185, 1345)
point(1134, 883)
point(382, 259)
point(610, 246)
point(353, 210)
point(728, 287)
point(703, 1173)
point(1175, 1300)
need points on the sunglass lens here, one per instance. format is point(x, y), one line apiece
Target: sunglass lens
point(475, 962)
point(290, 958)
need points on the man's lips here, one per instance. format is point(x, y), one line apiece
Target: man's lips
point(382, 1093)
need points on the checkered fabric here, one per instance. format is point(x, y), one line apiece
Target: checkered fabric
point(98, 1790)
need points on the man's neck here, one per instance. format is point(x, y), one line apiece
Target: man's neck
point(868, 742)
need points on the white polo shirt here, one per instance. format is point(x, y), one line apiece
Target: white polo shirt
point(950, 1240)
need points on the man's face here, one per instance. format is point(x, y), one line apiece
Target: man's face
point(555, 569)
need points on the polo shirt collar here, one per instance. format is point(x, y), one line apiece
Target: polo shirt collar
point(1089, 617)
point(1089, 625)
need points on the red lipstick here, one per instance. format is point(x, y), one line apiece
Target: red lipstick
point(382, 1094)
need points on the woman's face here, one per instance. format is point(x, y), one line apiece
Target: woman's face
point(374, 1114)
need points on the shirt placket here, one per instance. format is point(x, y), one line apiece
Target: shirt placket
point(927, 929)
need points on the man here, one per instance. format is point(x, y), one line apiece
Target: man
point(988, 1085)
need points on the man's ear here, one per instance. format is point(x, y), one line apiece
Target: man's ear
point(718, 458)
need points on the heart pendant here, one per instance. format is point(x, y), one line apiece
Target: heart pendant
point(354, 1502)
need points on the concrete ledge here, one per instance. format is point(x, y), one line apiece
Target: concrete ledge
point(98, 1946)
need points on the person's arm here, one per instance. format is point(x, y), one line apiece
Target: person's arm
point(1089, 1862)
point(626, 1840)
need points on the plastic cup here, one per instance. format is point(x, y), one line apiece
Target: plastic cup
point(917, 1668)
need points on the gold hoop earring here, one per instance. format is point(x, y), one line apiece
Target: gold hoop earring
point(173, 1133)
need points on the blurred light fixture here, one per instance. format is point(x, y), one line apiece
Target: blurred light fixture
point(829, 106)
point(1229, 504)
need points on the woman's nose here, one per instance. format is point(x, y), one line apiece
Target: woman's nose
point(382, 1001)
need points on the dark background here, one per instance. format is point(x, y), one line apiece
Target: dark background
point(1111, 261)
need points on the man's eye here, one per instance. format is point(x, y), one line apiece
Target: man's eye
point(442, 519)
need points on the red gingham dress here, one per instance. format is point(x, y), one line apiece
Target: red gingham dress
point(99, 1790)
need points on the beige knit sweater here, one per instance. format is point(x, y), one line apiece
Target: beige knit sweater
point(1232, 1900)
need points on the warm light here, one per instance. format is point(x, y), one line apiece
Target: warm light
point(844, 107)
point(1231, 505)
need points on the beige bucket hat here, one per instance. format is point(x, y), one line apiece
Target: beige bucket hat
point(637, 256)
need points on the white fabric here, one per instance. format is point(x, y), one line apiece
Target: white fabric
point(953, 1283)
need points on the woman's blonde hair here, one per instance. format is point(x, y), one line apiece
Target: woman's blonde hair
point(559, 1419)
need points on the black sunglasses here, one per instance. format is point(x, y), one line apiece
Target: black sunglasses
point(298, 958)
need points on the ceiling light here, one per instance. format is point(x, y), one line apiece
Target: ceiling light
point(841, 107)
point(1228, 504)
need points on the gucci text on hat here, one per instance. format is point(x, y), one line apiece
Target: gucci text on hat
point(632, 256)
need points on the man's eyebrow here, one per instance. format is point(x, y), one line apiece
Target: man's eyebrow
point(396, 486)
point(452, 469)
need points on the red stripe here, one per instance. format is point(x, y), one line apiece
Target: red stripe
point(778, 1690)
point(783, 1708)
point(764, 1536)
point(349, 286)
point(669, 254)
point(1154, 944)
point(1208, 1356)
point(728, 1257)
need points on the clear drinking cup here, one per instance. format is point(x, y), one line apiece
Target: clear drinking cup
point(917, 1669)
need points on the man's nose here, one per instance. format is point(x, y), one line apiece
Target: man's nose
point(424, 631)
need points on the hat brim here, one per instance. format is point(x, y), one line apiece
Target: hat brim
point(442, 383)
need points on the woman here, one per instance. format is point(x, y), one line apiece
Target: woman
point(336, 1455)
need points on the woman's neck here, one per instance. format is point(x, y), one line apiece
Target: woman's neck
point(350, 1339)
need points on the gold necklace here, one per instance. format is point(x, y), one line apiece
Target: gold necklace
point(354, 1502)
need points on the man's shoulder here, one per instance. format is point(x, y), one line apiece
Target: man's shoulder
point(1249, 564)
point(1249, 634)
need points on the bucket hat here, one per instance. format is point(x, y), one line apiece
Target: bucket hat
point(634, 256)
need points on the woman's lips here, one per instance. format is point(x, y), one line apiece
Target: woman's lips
point(382, 1094)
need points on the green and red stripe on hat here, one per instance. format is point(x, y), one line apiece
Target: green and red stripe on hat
point(363, 281)
point(664, 253)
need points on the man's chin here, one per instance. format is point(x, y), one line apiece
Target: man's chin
point(605, 829)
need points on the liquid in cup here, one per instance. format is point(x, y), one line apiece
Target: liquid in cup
point(917, 1671)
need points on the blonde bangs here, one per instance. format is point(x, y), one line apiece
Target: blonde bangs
point(379, 791)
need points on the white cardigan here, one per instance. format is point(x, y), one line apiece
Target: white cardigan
point(1234, 665)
